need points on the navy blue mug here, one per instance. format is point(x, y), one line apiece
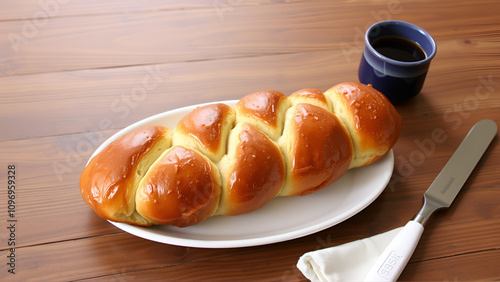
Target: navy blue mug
point(396, 58)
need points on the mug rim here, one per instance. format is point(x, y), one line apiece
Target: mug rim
point(396, 62)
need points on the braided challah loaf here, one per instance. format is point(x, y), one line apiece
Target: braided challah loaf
point(228, 161)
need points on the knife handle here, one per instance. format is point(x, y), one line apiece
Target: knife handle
point(397, 254)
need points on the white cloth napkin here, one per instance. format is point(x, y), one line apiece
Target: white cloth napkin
point(347, 262)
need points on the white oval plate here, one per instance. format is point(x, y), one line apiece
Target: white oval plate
point(283, 218)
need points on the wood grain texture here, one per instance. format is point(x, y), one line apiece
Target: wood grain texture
point(65, 8)
point(458, 268)
point(119, 97)
point(163, 36)
point(79, 71)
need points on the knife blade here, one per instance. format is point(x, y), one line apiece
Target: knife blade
point(440, 194)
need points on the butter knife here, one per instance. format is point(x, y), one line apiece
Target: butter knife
point(439, 195)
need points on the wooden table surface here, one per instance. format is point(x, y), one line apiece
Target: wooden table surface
point(72, 73)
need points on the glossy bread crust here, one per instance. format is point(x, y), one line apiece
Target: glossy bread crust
point(206, 129)
point(109, 181)
point(317, 148)
point(182, 188)
point(265, 110)
point(373, 123)
point(253, 171)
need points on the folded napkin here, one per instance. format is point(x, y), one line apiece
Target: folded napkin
point(347, 262)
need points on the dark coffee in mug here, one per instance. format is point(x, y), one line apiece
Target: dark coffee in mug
point(399, 49)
